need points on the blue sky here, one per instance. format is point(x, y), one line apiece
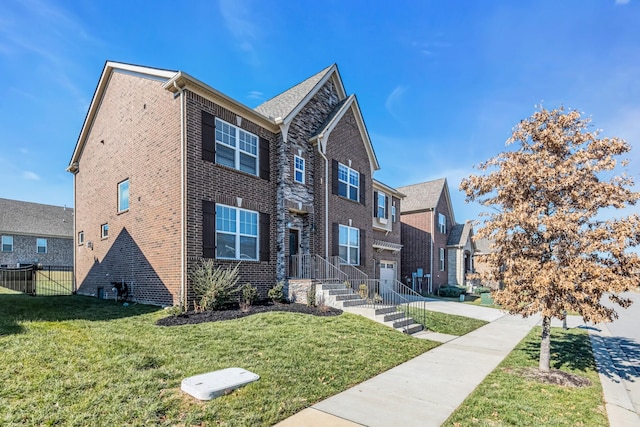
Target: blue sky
point(440, 83)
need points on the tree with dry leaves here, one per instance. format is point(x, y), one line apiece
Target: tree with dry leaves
point(552, 252)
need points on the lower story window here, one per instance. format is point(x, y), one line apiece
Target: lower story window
point(7, 243)
point(441, 259)
point(236, 233)
point(349, 244)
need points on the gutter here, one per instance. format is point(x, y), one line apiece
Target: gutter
point(322, 146)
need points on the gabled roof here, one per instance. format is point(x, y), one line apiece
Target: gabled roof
point(460, 234)
point(109, 67)
point(483, 246)
point(34, 219)
point(282, 105)
point(322, 135)
point(425, 196)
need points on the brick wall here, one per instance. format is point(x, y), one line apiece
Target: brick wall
point(416, 237)
point(215, 183)
point(135, 136)
point(59, 251)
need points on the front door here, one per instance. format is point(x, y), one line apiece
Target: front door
point(387, 276)
point(295, 266)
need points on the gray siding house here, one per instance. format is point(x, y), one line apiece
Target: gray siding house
point(32, 233)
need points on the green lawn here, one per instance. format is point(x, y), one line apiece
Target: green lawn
point(82, 361)
point(447, 323)
point(507, 398)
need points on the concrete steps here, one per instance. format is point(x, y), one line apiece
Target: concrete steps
point(339, 296)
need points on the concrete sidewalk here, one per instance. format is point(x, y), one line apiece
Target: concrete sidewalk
point(404, 395)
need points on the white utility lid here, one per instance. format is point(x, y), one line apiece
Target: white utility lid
point(217, 383)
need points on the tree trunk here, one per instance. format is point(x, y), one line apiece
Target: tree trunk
point(545, 345)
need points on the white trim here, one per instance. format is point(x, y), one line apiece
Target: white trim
point(237, 233)
point(296, 170)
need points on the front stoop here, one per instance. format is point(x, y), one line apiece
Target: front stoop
point(339, 296)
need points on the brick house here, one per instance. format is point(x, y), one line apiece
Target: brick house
point(33, 233)
point(168, 170)
point(427, 219)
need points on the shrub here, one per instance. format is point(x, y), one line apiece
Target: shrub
point(451, 291)
point(249, 295)
point(311, 296)
point(276, 294)
point(481, 290)
point(213, 286)
point(363, 290)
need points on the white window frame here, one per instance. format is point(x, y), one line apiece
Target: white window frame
point(348, 244)
point(442, 259)
point(41, 243)
point(123, 195)
point(442, 223)
point(346, 175)
point(299, 169)
point(104, 231)
point(393, 213)
point(80, 237)
point(237, 231)
point(7, 241)
point(382, 205)
point(237, 136)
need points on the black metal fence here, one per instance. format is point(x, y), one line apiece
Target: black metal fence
point(38, 280)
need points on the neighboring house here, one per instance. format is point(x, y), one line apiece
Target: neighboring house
point(32, 233)
point(427, 218)
point(168, 171)
point(386, 233)
point(460, 252)
point(482, 249)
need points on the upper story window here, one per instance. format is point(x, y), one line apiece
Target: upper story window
point(123, 196)
point(236, 233)
point(442, 223)
point(80, 237)
point(104, 231)
point(349, 244)
point(348, 182)
point(236, 148)
point(7, 243)
point(299, 168)
point(393, 213)
point(41, 246)
point(382, 205)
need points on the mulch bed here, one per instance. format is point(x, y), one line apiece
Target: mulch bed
point(557, 377)
point(235, 312)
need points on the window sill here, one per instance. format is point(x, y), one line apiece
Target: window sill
point(346, 198)
point(123, 212)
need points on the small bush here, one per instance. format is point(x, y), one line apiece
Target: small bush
point(481, 290)
point(347, 284)
point(214, 286)
point(451, 291)
point(363, 290)
point(276, 294)
point(311, 296)
point(249, 295)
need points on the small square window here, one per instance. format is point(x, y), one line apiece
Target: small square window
point(7, 243)
point(104, 231)
point(299, 169)
point(41, 246)
point(80, 237)
point(123, 196)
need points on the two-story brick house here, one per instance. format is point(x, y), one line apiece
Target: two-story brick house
point(168, 171)
point(427, 218)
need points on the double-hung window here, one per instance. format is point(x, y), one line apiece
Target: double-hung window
point(442, 223)
point(382, 205)
point(41, 246)
point(348, 183)
point(349, 244)
point(236, 148)
point(441, 259)
point(123, 196)
point(299, 169)
point(7, 243)
point(393, 214)
point(236, 233)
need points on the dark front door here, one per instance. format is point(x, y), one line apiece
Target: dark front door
point(294, 241)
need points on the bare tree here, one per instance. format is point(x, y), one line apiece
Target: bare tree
point(552, 253)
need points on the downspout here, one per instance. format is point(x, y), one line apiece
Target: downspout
point(183, 292)
point(433, 235)
point(321, 144)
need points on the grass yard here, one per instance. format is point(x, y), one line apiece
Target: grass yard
point(82, 361)
point(448, 323)
point(506, 397)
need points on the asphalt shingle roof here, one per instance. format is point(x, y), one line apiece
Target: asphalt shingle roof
point(283, 104)
point(459, 234)
point(29, 218)
point(422, 196)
